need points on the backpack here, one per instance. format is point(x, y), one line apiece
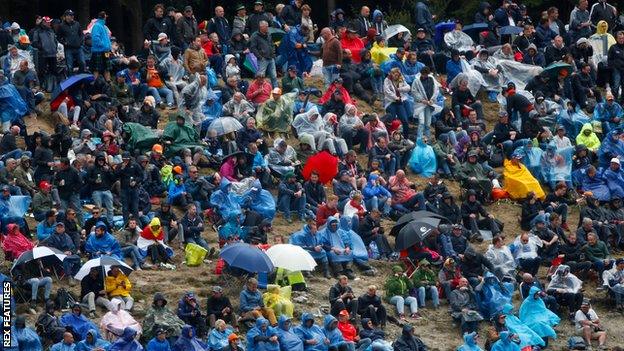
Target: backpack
point(64, 299)
point(576, 343)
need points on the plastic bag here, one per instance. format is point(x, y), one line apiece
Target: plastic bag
point(194, 254)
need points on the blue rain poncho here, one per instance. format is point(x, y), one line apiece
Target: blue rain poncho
point(596, 185)
point(96, 343)
point(470, 344)
point(259, 200)
point(423, 159)
point(615, 182)
point(12, 106)
point(611, 147)
point(288, 340)
point(298, 57)
point(217, 340)
point(331, 331)
point(25, 338)
point(535, 315)
point(605, 112)
point(332, 239)
point(257, 345)
point(211, 108)
point(557, 165)
point(80, 324)
point(312, 332)
point(127, 342)
point(492, 295)
point(356, 243)
point(308, 241)
point(105, 243)
point(225, 201)
point(157, 345)
point(527, 336)
point(505, 343)
point(572, 120)
point(187, 341)
point(531, 158)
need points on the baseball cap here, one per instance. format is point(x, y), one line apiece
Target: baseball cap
point(162, 36)
point(344, 313)
point(188, 8)
point(69, 13)
point(615, 160)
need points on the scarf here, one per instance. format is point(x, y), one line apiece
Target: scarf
point(359, 207)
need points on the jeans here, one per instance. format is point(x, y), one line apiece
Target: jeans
point(433, 291)
point(198, 240)
point(74, 203)
point(424, 123)
point(74, 110)
point(267, 67)
point(330, 73)
point(36, 283)
point(616, 82)
point(397, 110)
point(400, 302)
point(74, 56)
point(453, 136)
point(286, 203)
point(129, 202)
point(133, 252)
point(126, 302)
point(158, 92)
point(378, 203)
point(104, 197)
point(92, 301)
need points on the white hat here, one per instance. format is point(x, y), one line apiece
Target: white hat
point(615, 160)
point(162, 36)
point(15, 26)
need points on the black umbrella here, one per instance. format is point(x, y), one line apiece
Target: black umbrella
point(414, 232)
point(408, 217)
point(49, 257)
point(247, 155)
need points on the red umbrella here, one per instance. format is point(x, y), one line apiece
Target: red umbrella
point(324, 163)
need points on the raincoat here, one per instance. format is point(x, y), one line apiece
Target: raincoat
point(601, 41)
point(458, 40)
point(492, 295)
point(332, 332)
point(606, 112)
point(218, 340)
point(557, 164)
point(225, 201)
point(591, 141)
point(15, 243)
point(308, 241)
point(96, 344)
point(615, 182)
point(117, 320)
point(163, 317)
point(502, 259)
point(274, 298)
point(287, 338)
point(596, 185)
point(311, 132)
point(187, 341)
point(612, 146)
point(105, 243)
point(535, 315)
point(358, 248)
point(505, 343)
point(275, 116)
point(181, 137)
point(419, 94)
point(308, 333)
point(211, 108)
point(469, 343)
point(127, 342)
point(80, 324)
point(259, 200)
point(26, 337)
point(333, 240)
point(423, 159)
point(297, 55)
point(528, 337)
point(257, 339)
point(355, 45)
point(519, 181)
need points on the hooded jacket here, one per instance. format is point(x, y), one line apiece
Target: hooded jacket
point(309, 333)
point(407, 341)
point(308, 242)
point(370, 190)
point(98, 246)
point(188, 341)
point(163, 317)
point(591, 141)
point(333, 239)
point(258, 340)
point(100, 37)
point(288, 340)
point(332, 332)
point(469, 343)
point(225, 201)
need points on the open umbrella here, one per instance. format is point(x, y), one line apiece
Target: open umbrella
point(510, 30)
point(276, 34)
point(473, 30)
point(324, 163)
point(251, 63)
point(48, 255)
point(249, 157)
point(105, 262)
point(558, 68)
point(408, 217)
point(291, 257)
point(246, 257)
point(68, 83)
point(394, 30)
point(225, 125)
point(414, 232)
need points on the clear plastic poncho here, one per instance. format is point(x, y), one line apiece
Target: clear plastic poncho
point(557, 164)
point(563, 279)
point(458, 40)
point(474, 78)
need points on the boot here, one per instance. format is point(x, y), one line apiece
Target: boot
point(326, 273)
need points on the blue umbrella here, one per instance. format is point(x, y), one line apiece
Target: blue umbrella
point(473, 30)
point(69, 82)
point(247, 257)
point(510, 30)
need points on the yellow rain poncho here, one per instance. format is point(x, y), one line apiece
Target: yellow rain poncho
point(519, 181)
point(278, 299)
point(380, 54)
point(600, 42)
point(591, 141)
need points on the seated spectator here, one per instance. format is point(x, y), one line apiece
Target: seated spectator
point(404, 197)
point(333, 336)
point(93, 292)
point(536, 316)
point(218, 306)
point(33, 276)
point(219, 336)
point(376, 196)
point(315, 192)
point(274, 300)
point(473, 265)
point(291, 197)
point(464, 307)
point(251, 303)
point(46, 227)
point(282, 157)
point(408, 340)
point(15, 243)
point(525, 252)
point(387, 159)
point(238, 108)
point(92, 342)
point(501, 258)
point(152, 240)
point(42, 201)
point(80, 325)
point(262, 336)
point(597, 252)
point(189, 312)
point(310, 240)
point(159, 317)
point(424, 281)
point(492, 294)
point(549, 248)
point(259, 90)
point(66, 343)
point(118, 287)
point(370, 306)
point(449, 276)
point(127, 340)
point(63, 242)
point(472, 211)
point(339, 250)
point(193, 226)
point(101, 243)
point(370, 230)
point(341, 297)
point(52, 330)
point(588, 325)
point(566, 288)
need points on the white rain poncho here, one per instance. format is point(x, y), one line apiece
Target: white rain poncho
point(502, 259)
point(516, 72)
point(394, 30)
point(311, 132)
point(474, 78)
point(528, 250)
point(418, 92)
point(458, 40)
point(491, 82)
point(563, 279)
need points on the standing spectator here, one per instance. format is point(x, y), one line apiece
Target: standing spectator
point(362, 22)
point(396, 94)
point(220, 25)
point(71, 36)
point(101, 48)
point(44, 39)
point(603, 11)
point(258, 15)
point(129, 174)
point(616, 60)
point(68, 183)
point(423, 17)
point(261, 45)
point(292, 13)
point(156, 24)
point(187, 28)
point(331, 54)
point(239, 23)
point(580, 22)
point(195, 58)
point(100, 178)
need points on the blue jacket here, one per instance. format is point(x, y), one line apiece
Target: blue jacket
point(249, 300)
point(60, 242)
point(98, 343)
point(188, 341)
point(105, 243)
point(100, 37)
point(44, 230)
point(288, 340)
point(157, 345)
point(175, 190)
point(307, 241)
point(371, 190)
point(308, 333)
point(61, 346)
point(258, 340)
point(81, 325)
point(331, 331)
point(453, 68)
point(185, 310)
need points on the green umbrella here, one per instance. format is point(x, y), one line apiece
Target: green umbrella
point(558, 68)
point(276, 34)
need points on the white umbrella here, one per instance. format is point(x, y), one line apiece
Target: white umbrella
point(40, 252)
point(291, 257)
point(394, 30)
point(104, 261)
point(225, 125)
